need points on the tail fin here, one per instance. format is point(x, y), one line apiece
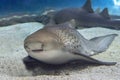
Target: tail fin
point(24, 19)
point(100, 44)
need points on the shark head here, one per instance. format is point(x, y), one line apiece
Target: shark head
point(44, 46)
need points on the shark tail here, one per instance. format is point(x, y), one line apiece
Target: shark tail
point(95, 46)
point(24, 19)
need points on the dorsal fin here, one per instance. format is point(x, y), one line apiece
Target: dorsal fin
point(87, 6)
point(105, 13)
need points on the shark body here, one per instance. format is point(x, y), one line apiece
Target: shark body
point(84, 16)
point(58, 44)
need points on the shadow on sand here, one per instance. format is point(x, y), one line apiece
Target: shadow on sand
point(40, 68)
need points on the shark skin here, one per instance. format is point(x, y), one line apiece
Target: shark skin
point(59, 44)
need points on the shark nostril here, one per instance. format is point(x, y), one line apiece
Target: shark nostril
point(26, 46)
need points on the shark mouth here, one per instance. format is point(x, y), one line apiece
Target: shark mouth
point(37, 50)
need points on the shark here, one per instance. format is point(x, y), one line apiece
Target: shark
point(61, 43)
point(84, 16)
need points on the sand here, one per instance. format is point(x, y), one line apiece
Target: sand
point(12, 52)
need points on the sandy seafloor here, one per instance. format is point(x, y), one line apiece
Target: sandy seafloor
point(12, 52)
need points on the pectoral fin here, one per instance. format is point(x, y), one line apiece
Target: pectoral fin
point(100, 44)
point(93, 60)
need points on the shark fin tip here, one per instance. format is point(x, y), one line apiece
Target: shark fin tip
point(87, 6)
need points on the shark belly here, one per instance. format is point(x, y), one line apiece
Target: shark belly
point(53, 56)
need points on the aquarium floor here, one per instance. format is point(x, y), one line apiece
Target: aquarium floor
point(12, 53)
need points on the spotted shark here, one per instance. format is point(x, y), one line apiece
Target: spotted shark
point(84, 16)
point(62, 43)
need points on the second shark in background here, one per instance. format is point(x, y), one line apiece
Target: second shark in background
point(84, 16)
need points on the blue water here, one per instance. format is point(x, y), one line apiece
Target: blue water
point(34, 6)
